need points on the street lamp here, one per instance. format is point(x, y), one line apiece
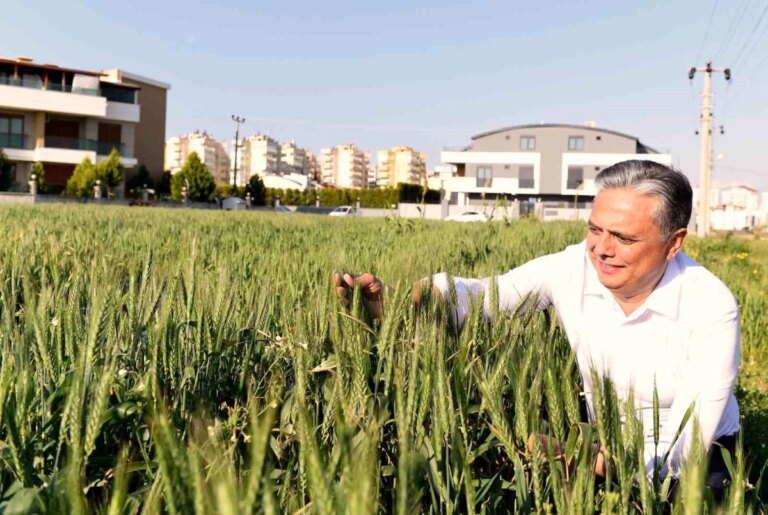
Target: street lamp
point(238, 121)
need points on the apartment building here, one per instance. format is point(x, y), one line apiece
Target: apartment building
point(210, 151)
point(292, 159)
point(312, 165)
point(548, 162)
point(400, 165)
point(344, 166)
point(259, 155)
point(59, 116)
point(738, 207)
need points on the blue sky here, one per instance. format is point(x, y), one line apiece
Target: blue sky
point(426, 73)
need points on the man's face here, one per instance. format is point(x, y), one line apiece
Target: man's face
point(625, 245)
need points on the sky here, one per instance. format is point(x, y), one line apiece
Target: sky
point(428, 74)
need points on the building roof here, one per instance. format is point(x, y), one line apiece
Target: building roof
point(556, 125)
point(29, 63)
point(122, 74)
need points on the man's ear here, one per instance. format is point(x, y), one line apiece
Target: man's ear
point(676, 241)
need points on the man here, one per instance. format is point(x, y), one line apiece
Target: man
point(634, 308)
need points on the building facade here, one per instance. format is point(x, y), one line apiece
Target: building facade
point(547, 162)
point(400, 165)
point(60, 116)
point(344, 166)
point(292, 159)
point(262, 157)
point(211, 152)
point(738, 208)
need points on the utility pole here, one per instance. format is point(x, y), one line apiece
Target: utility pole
point(238, 121)
point(702, 224)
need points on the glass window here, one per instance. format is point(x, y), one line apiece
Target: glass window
point(527, 143)
point(5, 125)
point(526, 177)
point(17, 126)
point(575, 142)
point(484, 176)
point(575, 177)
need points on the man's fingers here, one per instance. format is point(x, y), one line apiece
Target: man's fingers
point(370, 284)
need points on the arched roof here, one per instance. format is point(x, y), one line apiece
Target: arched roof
point(552, 125)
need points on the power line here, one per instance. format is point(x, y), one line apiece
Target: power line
point(749, 38)
point(706, 32)
point(739, 15)
point(746, 170)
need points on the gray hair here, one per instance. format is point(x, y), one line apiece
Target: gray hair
point(669, 186)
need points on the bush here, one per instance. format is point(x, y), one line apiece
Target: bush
point(39, 172)
point(110, 171)
point(196, 177)
point(382, 198)
point(139, 180)
point(82, 180)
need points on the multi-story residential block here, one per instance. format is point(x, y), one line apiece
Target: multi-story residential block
point(262, 156)
point(549, 162)
point(59, 116)
point(292, 159)
point(211, 152)
point(312, 166)
point(344, 166)
point(400, 165)
point(737, 207)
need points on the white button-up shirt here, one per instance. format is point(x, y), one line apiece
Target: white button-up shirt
point(685, 337)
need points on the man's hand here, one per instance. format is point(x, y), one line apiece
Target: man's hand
point(370, 286)
point(558, 448)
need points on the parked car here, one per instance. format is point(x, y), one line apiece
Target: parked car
point(344, 211)
point(233, 204)
point(282, 210)
point(469, 216)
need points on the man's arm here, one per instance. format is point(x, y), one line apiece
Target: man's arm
point(532, 280)
point(708, 382)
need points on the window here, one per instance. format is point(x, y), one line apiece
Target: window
point(527, 143)
point(526, 177)
point(11, 131)
point(484, 176)
point(575, 142)
point(575, 177)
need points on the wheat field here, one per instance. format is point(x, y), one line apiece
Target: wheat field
point(180, 361)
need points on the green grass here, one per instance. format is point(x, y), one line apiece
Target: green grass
point(181, 361)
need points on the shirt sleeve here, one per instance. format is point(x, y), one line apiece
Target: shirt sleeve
point(532, 280)
point(708, 381)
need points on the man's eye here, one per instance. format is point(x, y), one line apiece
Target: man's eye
point(593, 229)
point(625, 240)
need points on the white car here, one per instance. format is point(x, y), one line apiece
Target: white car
point(469, 216)
point(343, 211)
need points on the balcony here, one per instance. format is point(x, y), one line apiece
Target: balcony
point(13, 140)
point(32, 96)
point(52, 86)
point(101, 148)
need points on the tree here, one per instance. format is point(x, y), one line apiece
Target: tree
point(164, 186)
point(39, 172)
point(82, 180)
point(140, 179)
point(110, 171)
point(257, 190)
point(196, 177)
point(6, 172)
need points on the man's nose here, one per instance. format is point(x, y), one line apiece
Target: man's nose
point(604, 245)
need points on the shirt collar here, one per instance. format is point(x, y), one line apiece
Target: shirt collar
point(664, 299)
